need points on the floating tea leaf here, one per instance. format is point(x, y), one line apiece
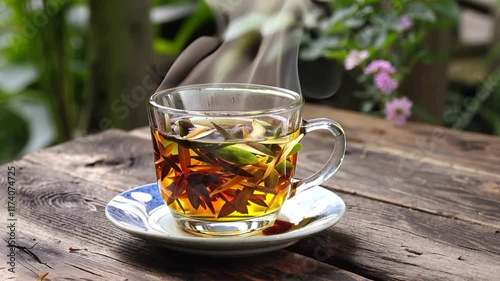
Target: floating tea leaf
point(184, 126)
point(284, 167)
point(223, 132)
point(199, 133)
point(295, 149)
point(194, 198)
point(258, 130)
point(236, 155)
point(254, 186)
point(256, 199)
point(240, 203)
point(226, 210)
point(260, 147)
point(278, 132)
point(184, 159)
point(228, 185)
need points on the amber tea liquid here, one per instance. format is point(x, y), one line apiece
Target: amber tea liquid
point(225, 169)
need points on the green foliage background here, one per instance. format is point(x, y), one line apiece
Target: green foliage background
point(44, 68)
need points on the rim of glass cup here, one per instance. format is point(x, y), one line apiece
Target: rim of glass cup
point(297, 100)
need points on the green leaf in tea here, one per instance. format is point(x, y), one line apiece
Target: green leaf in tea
point(236, 155)
point(260, 147)
point(278, 132)
point(272, 180)
point(295, 149)
point(284, 167)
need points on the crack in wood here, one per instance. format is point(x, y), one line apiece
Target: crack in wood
point(414, 252)
point(28, 251)
point(112, 162)
point(399, 261)
point(84, 270)
point(478, 250)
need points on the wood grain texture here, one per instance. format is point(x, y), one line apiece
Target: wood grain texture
point(58, 211)
point(401, 181)
point(112, 159)
point(453, 149)
point(387, 242)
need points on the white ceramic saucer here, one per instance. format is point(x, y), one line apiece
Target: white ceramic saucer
point(142, 212)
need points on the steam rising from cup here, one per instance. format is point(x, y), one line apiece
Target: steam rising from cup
point(258, 43)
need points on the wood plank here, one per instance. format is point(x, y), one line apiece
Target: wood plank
point(459, 150)
point(387, 242)
point(112, 159)
point(58, 211)
point(375, 232)
point(403, 181)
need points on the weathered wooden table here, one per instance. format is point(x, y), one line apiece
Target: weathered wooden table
point(423, 204)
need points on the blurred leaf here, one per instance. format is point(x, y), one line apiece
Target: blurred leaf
point(164, 46)
point(17, 77)
point(365, 37)
point(448, 8)
point(15, 134)
point(319, 47)
point(367, 106)
point(199, 17)
point(420, 11)
point(336, 54)
point(380, 39)
point(492, 117)
point(170, 12)
point(424, 114)
point(78, 16)
point(335, 23)
point(35, 110)
point(387, 20)
point(390, 40)
point(354, 23)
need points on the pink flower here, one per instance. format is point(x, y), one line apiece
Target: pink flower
point(377, 66)
point(406, 22)
point(398, 110)
point(355, 58)
point(385, 83)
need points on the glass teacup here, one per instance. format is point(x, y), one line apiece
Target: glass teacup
point(225, 154)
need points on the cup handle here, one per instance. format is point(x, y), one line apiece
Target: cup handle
point(335, 160)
